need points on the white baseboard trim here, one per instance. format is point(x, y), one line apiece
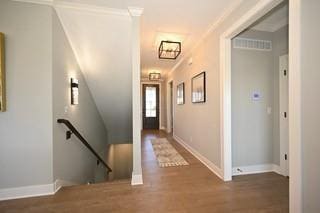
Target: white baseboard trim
point(255, 169)
point(27, 191)
point(58, 184)
point(163, 128)
point(33, 190)
point(211, 166)
point(136, 180)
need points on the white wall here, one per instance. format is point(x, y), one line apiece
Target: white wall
point(26, 127)
point(72, 161)
point(252, 125)
point(310, 103)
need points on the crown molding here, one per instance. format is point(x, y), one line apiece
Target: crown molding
point(209, 30)
point(135, 11)
point(81, 6)
point(90, 8)
point(43, 2)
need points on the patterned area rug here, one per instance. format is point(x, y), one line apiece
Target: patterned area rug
point(166, 154)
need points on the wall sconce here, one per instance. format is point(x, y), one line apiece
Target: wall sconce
point(169, 50)
point(154, 76)
point(74, 91)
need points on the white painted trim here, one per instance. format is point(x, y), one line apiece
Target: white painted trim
point(136, 96)
point(27, 191)
point(136, 180)
point(58, 184)
point(283, 107)
point(87, 7)
point(160, 102)
point(295, 167)
point(163, 128)
point(135, 11)
point(43, 2)
point(210, 29)
point(90, 8)
point(34, 190)
point(260, 9)
point(169, 122)
point(211, 166)
point(255, 169)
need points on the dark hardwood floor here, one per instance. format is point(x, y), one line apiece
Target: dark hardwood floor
point(192, 188)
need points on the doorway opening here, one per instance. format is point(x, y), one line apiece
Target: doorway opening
point(259, 96)
point(151, 106)
point(170, 109)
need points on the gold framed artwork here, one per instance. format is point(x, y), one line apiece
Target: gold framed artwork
point(2, 76)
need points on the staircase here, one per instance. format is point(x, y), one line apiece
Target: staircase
point(119, 157)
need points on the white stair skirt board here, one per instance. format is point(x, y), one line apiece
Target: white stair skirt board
point(255, 169)
point(136, 180)
point(34, 190)
point(211, 166)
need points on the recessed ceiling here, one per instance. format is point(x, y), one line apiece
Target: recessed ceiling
point(184, 19)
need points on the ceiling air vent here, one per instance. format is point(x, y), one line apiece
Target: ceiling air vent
point(252, 44)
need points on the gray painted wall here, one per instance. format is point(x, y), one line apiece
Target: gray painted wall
point(255, 133)
point(310, 102)
point(199, 124)
point(252, 126)
point(71, 160)
point(39, 65)
point(26, 127)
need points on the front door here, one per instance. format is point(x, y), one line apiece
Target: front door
point(150, 106)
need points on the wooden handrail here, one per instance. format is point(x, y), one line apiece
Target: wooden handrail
point(74, 131)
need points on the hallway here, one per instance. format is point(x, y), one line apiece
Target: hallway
point(192, 188)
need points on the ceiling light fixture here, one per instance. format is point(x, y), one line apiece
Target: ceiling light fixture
point(169, 50)
point(154, 76)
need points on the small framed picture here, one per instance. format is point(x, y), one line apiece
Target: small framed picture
point(180, 94)
point(198, 88)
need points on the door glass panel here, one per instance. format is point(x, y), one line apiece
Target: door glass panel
point(151, 102)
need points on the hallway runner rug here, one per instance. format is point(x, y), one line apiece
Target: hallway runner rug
point(166, 154)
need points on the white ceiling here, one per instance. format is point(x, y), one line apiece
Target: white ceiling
point(185, 20)
point(274, 20)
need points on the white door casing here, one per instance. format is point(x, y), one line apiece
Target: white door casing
point(284, 114)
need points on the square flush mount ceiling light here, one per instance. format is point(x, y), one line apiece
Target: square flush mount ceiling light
point(154, 76)
point(169, 50)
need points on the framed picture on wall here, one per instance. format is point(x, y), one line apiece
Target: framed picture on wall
point(198, 88)
point(180, 94)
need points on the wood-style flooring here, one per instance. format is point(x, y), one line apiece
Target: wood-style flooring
point(192, 188)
